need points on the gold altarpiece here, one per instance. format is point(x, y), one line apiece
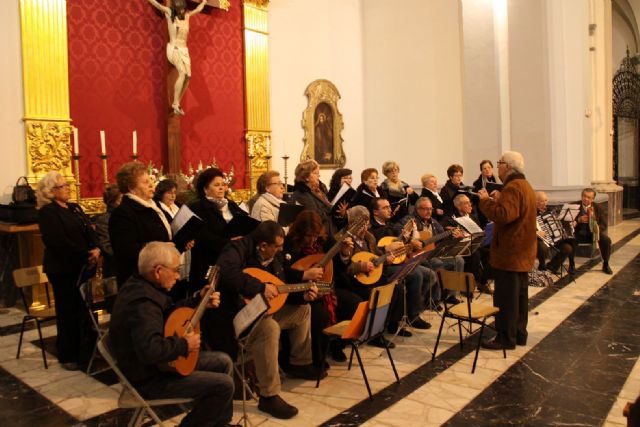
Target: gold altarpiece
point(46, 92)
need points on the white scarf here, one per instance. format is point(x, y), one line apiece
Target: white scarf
point(272, 199)
point(171, 210)
point(223, 207)
point(151, 205)
point(435, 193)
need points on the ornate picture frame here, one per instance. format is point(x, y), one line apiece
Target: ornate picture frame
point(323, 125)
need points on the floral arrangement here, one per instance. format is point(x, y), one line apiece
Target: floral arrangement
point(189, 178)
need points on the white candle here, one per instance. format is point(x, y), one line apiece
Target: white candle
point(103, 143)
point(76, 149)
point(135, 142)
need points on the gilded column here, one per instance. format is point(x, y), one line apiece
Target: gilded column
point(258, 136)
point(46, 87)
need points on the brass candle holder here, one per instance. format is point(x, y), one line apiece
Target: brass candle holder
point(286, 176)
point(105, 170)
point(76, 173)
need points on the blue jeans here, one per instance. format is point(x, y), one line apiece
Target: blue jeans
point(210, 385)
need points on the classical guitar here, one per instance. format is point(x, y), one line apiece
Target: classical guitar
point(374, 275)
point(185, 319)
point(323, 260)
point(405, 236)
point(284, 290)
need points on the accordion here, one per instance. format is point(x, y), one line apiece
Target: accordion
point(553, 229)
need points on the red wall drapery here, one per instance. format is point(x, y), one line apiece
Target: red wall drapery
point(118, 83)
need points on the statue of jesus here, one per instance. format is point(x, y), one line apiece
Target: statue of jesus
point(177, 51)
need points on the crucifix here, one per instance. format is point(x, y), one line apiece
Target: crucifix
point(177, 16)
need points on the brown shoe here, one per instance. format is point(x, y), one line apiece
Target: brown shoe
point(277, 407)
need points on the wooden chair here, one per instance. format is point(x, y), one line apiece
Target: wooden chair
point(368, 323)
point(28, 278)
point(466, 311)
point(129, 397)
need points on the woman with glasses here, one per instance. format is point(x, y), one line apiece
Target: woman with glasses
point(216, 210)
point(399, 192)
point(309, 192)
point(368, 189)
point(271, 190)
point(71, 248)
point(451, 188)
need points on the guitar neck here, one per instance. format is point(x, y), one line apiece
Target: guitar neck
point(301, 287)
point(436, 238)
point(197, 315)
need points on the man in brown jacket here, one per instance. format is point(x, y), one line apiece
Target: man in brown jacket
point(513, 249)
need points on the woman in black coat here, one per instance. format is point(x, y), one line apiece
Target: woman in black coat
point(309, 192)
point(216, 211)
point(137, 221)
point(71, 250)
point(451, 188)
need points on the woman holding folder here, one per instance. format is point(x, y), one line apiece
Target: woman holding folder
point(223, 221)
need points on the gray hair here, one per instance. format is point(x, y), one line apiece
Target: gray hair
point(357, 213)
point(45, 185)
point(154, 254)
point(458, 200)
point(514, 160)
point(423, 199)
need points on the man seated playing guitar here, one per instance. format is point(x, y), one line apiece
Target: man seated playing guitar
point(137, 339)
point(262, 249)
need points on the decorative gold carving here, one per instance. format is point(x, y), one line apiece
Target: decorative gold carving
point(224, 5)
point(257, 3)
point(93, 206)
point(259, 155)
point(322, 123)
point(48, 147)
point(240, 196)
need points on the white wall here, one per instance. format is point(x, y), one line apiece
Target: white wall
point(413, 85)
point(12, 146)
point(309, 41)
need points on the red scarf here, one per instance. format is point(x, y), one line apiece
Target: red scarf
point(328, 298)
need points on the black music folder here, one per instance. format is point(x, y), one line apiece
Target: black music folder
point(185, 227)
point(240, 225)
point(493, 186)
point(288, 212)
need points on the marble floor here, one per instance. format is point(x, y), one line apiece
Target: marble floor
point(579, 367)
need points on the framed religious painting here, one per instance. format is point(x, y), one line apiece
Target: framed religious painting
point(323, 125)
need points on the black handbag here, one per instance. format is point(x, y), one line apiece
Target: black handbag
point(23, 194)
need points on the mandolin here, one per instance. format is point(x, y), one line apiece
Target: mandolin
point(284, 290)
point(374, 275)
point(405, 236)
point(185, 319)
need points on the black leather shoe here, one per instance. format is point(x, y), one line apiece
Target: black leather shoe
point(305, 372)
point(606, 269)
point(382, 342)
point(277, 407)
point(572, 269)
point(418, 323)
point(485, 288)
point(338, 355)
point(453, 300)
point(496, 345)
point(521, 341)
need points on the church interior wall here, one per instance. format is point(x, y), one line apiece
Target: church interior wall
point(12, 147)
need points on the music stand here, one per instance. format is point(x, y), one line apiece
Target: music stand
point(244, 325)
point(399, 276)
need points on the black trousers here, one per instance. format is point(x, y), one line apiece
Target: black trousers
point(511, 296)
point(76, 338)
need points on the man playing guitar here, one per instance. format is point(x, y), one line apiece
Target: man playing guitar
point(137, 338)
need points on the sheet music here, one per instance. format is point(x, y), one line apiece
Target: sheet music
point(568, 212)
point(468, 224)
point(345, 187)
point(245, 207)
point(182, 217)
point(249, 313)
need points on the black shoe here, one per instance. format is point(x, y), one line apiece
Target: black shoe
point(453, 300)
point(606, 269)
point(305, 372)
point(338, 355)
point(70, 366)
point(554, 270)
point(572, 269)
point(418, 323)
point(435, 307)
point(496, 345)
point(521, 342)
point(485, 288)
point(277, 407)
point(382, 342)
point(401, 333)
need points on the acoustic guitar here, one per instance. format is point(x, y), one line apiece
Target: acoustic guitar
point(405, 236)
point(284, 290)
point(184, 320)
point(374, 275)
point(324, 260)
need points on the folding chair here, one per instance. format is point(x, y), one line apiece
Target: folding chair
point(92, 299)
point(466, 311)
point(368, 323)
point(28, 278)
point(130, 398)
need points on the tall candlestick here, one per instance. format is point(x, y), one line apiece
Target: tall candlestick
point(103, 143)
point(76, 166)
point(135, 143)
point(76, 144)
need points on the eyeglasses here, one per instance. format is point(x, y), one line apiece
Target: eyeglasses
point(174, 269)
point(501, 162)
point(57, 187)
point(422, 208)
point(280, 184)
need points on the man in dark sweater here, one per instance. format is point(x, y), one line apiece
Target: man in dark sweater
point(138, 341)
